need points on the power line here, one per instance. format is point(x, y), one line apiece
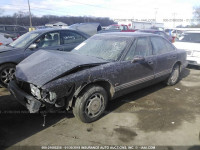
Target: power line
point(93, 5)
point(33, 7)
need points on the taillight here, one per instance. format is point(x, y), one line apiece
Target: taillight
point(1, 44)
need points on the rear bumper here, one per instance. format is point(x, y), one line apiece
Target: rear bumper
point(193, 61)
point(32, 104)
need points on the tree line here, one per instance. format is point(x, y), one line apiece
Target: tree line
point(22, 18)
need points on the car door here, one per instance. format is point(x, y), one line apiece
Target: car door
point(136, 74)
point(166, 56)
point(47, 41)
point(70, 39)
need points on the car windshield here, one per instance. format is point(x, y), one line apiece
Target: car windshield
point(190, 37)
point(23, 40)
point(106, 48)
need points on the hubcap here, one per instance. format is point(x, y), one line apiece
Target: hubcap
point(94, 105)
point(7, 75)
point(175, 74)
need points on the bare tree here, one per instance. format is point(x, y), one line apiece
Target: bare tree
point(22, 18)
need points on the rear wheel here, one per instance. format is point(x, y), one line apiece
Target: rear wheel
point(7, 73)
point(175, 74)
point(91, 104)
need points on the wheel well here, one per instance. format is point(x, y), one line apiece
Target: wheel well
point(8, 63)
point(105, 84)
point(179, 63)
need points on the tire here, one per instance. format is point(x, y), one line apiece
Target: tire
point(7, 73)
point(91, 104)
point(174, 76)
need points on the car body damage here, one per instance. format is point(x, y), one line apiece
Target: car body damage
point(47, 65)
point(84, 79)
point(67, 74)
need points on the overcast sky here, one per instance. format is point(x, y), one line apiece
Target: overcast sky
point(115, 9)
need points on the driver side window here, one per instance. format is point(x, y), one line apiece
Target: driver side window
point(48, 39)
point(141, 47)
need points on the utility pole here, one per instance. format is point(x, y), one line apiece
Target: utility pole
point(30, 15)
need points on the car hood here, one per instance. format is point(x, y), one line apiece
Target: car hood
point(6, 48)
point(187, 46)
point(44, 66)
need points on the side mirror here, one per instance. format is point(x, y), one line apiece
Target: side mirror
point(138, 58)
point(32, 46)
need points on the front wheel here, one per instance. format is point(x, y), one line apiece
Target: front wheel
point(175, 74)
point(7, 73)
point(91, 104)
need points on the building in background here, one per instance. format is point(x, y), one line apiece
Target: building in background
point(56, 24)
point(143, 25)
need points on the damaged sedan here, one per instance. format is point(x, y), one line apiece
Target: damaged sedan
point(102, 68)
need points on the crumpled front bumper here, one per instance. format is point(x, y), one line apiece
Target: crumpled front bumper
point(32, 104)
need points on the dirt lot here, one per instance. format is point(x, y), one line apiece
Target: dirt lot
point(157, 115)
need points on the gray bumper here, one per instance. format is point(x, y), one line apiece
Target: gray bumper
point(32, 104)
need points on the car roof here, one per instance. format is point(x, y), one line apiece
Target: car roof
point(54, 29)
point(127, 34)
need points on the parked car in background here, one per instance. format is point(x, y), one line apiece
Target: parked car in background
point(4, 40)
point(27, 44)
point(158, 32)
point(190, 41)
point(177, 33)
point(174, 33)
point(102, 68)
point(13, 31)
point(117, 28)
point(88, 28)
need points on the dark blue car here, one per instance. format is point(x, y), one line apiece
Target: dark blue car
point(100, 69)
point(27, 44)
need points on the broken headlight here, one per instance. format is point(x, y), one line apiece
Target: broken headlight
point(35, 91)
point(49, 97)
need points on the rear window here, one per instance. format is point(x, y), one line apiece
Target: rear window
point(161, 46)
